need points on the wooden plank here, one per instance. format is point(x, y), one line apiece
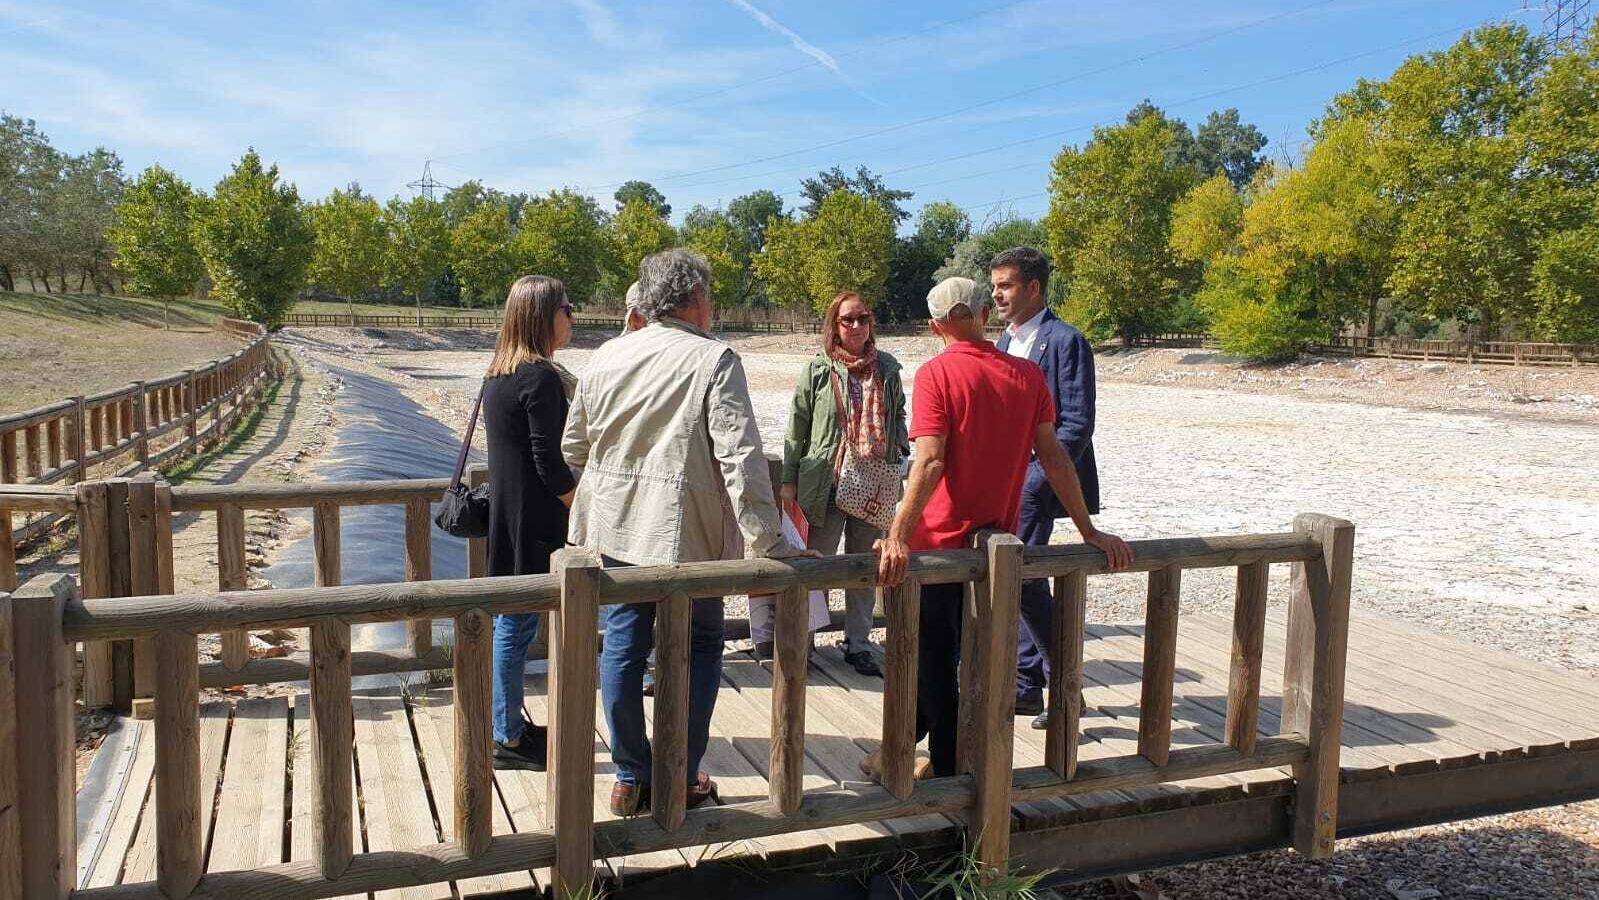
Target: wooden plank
point(232, 575)
point(669, 745)
point(1160, 665)
point(393, 794)
point(10, 814)
point(433, 716)
point(325, 536)
point(472, 780)
point(526, 794)
point(34, 462)
point(792, 639)
point(1313, 678)
point(45, 769)
point(571, 763)
point(123, 822)
point(332, 741)
point(8, 456)
point(140, 864)
point(180, 810)
point(302, 847)
point(8, 552)
point(419, 567)
point(898, 752)
point(119, 584)
point(996, 702)
point(52, 442)
point(1243, 684)
point(1066, 677)
point(250, 811)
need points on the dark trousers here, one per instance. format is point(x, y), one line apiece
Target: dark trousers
point(937, 673)
point(1034, 645)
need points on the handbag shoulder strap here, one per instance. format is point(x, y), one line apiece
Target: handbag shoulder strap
point(466, 442)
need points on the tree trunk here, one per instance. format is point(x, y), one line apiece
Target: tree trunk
point(1371, 317)
point(83, 279)
point(166, 313)
point(419, 309)
point(349, 306)
point(34, 285)
point(62, 275)
point(6, 282)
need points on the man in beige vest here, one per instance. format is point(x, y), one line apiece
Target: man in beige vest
point(664, 431)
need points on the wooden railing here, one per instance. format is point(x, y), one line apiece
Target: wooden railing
point(141, 426)
point(1508, 353)
point(40, 625)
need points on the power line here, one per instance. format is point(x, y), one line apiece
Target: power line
point(425, 185)
point(983, 103)
point(623, 117)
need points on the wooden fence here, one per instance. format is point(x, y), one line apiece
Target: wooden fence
point(141, 426)
point(43, 622)
point(1504, 353)
point(581, 320)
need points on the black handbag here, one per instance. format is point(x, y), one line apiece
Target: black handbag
point(464, 511)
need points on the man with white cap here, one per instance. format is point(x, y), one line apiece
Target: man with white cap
point(977, 416)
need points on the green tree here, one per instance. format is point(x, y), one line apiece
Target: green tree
point(1207, 220)
point(642, 192)
point(1224, 144)
point(863, 182)
point(714, 237)
point(78, 212)
point(418, 245)
point(939, 227)
point(154, 240)
point(29, 168)
point(482, 256)
point(639, 230)
point(1109, 225)
point(351, 245)
point(255, 241)
point(750, 213)
point(845, 246)
point(969, 258)
point(563, 236)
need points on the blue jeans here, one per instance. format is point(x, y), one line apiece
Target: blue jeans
point(512, 634)
point(629, 638)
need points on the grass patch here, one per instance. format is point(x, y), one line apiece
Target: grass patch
point(55, 346)
point(242, 431)
point(338, 308)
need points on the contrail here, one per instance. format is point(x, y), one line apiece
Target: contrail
point(800, 44)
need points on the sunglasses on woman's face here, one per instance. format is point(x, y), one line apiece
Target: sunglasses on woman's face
point(854, 321)
point(566, 308)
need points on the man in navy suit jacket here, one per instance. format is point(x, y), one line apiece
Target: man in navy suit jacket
point(1020, 277)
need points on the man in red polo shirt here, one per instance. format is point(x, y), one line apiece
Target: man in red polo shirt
point(977, 416)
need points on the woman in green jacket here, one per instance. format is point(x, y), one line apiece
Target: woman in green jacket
point(851, 367)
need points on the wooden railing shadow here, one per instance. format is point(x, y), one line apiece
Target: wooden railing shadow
point(135, 631)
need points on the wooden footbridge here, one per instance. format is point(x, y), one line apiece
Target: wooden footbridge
point(1177, 747)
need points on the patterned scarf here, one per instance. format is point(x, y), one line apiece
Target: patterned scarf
point(866, 428)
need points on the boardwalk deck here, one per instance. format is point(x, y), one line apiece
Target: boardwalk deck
point(1415, 702)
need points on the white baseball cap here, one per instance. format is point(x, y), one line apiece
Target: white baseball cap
point(956, 291)
point(633, 296)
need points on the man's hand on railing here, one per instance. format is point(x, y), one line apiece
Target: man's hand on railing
point(1117, 554)
point(893, 558)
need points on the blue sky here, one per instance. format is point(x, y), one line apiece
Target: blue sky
point(707, 99)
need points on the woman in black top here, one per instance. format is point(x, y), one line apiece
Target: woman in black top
point(525, 396)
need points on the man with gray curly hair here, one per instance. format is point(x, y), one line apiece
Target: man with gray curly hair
point(664, 430)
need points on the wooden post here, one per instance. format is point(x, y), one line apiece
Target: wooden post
point(669, 749)
point(35, 464)
point(996, 702)
point(419, 566)
point(216, 401)
point(52, 442)
point(180, 829)
point(10, 816)
point(474, 700)
point(332, 747)
point(145, 579)
point(477, 549)
point(8, 457)
point(1160, 665)
point(8, 553)
point(188, 406)
point(94, 567)
point(46, 777)
point(125, 422)
point(119, 583)
point(973, 602)
point(141, 424)
point(1243, 681)
point(903, 606)
point(1066, 678)
point(77, 438)
point(232, 575)
point(97, 432)
point(572, 677)
point(1313, 677)
point(325, 539)
point(790, 659)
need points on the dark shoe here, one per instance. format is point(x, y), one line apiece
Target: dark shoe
point(1041, 721)
point(864, 662)
point(701, 790)
point(764, 650)
point(629, 799)
point(1030, 703)
point(528, 754)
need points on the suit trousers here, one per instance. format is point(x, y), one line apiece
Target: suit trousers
point(1035, 647)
